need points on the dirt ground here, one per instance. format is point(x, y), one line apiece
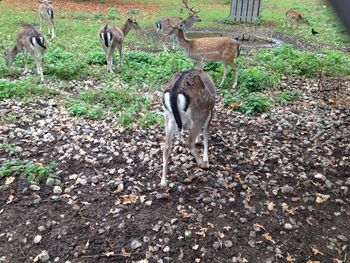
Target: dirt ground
point(277, 189)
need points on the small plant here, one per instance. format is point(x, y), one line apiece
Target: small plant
point(7, 118)
point(36, 172)
point(112, 13)
point(256, 103)
point(287, 96)
point(134, 12)
point(150, 119)
point(78, 108)
point(98, 16)
point(254, 79)
point(231, 101)
point(7, 147)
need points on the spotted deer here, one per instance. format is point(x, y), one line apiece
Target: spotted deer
point(29, 40)
point(188, 100)
point(293, 18)
point(112, 37)
point(223, 49)
point(166, 24)
point(47, 14)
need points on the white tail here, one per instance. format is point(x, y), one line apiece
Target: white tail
point(47, 14)
point(29, 40)
point(112, 37)
point(188, 100)
point(223, 49)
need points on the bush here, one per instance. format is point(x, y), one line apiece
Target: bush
point(287, 96)
point(254, 79)
point(255, 103)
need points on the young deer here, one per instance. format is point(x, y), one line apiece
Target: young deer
point(222, 49)
point(294, 17)
point(112, 37)
point(166, 24)
point(188, 100)
point(29, 40)
point(47, 14)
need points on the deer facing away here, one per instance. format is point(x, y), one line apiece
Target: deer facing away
point(293, 18)
point(47, 14)
point(112, 37)
point(223, 49)
point(29, 40)
point(188, 100)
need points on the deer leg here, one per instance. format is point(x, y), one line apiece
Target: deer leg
point(206, 140)
point(25, 56)
point(169, 134)
point(39, 64)
point(199, 63)
point(110, 60)
point(224, 75)
point(235, 67)
point(41, 22)
point(53, 35)
point(120, 62)
point(165, 48)
point(191, 145)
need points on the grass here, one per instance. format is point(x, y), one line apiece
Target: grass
point(31, 171)
point(76, 55)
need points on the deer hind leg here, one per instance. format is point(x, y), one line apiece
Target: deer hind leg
point(195, 129)
point(110, 52)
point(25, 56)
point(169, 134)
point(223, 76)
point(206, 140)
point(38, 62)
point(52, 26)
point(120, 47)
point(235, 67)
point(165, 48)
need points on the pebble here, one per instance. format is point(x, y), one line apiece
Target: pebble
point(81, 181)
point(288, 226)
point(135, 244)
point(37, 239)
point(166, 249)
point(228, 243)
point(342, 238)
point(35, 187)
point(50, 181)
point(216, 245)
point(57, 190)
point(243, 220)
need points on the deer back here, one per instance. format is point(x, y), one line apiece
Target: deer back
point(110, 34)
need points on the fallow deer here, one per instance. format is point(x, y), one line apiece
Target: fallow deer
point(29, 40)
point(188, 100)
point(166, 24)
point(47, 14)
point(222, 49)
point(294, 17)
point(112, 37)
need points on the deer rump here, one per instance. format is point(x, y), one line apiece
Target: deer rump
point(177, 98)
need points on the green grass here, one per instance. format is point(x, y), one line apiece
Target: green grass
point(286, 96)
point(31, 171)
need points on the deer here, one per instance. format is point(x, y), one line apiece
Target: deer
point(112, 37)
point(47, 14)
point(222, 49)
point(29, 40)
point(165, 24)
point(188, 101)
point(294, 17)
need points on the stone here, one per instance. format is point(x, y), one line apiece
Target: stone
point(135, 244)
point(37, 239)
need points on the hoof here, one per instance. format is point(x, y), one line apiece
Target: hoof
point(163, 183)
point(204, 165)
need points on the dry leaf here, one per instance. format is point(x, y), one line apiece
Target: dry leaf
point(108, 254)
point(290, 258)
point(142, 198)
point(320, 176)
point(321, 198)
point(221, 235)
point(124, 253)
point(201, 232)
point(38, 257)
point(141, 261)
point(267, 236)
point(270, 205)
point(287, 209)
point(195, 247)
point(311, 261)
point(9, 180)
point(295, 198)
point(316, 251)
point(10, 199)
point(129, 199)
point(117, 202)
point(227, 228)
point(259, 226)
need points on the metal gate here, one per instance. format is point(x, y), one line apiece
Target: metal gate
point(245, 10)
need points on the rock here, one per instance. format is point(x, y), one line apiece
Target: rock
point(57, 190)
point(166, 249)
point(81, 181)
point(342, 238)
point(50, 181)
point(228, 243)
point(216, 245)
point(156, 228)
point(37, 239)
point(135, 244)
point(243, 220)
point(288, 226)
point(41, 228)
point(251, 243)
point(35, 187)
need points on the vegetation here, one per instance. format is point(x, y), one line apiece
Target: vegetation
point(31, 171)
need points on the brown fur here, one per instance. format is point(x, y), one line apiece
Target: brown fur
point(45, 11)
point(294, 17)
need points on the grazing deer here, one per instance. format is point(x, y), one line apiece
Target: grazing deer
point(294, 17)
point(47, 14)
point(188, 100)
point(29, 40)
point(222, 49)
point(112, 37)
point(166, 24)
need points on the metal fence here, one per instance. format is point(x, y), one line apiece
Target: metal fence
point(245, 10)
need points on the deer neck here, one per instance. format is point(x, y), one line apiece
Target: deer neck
point(126, 28)
point(183, 41)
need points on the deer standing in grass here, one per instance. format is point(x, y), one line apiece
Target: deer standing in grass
point(188, 100)
point(112, 37)
point(166, 24)
point(47, 14)
point(294, 17)
point(29, 40)
point(222, 49)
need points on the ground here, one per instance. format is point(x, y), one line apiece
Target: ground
point(277, 189)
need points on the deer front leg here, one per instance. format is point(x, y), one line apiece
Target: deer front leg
point(165, 48)
point(110, 60)
point(39, 64)
point(206, 140)
point(120, 62)
point(169, 131)
point(53, 35)
point(235, 67)
point(25, 56)
point(199, 63)
point(224, 75)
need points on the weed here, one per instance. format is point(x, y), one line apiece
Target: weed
point(7, 118)
point(286, 96)
point(150, 118)
point(112, 13)
point(7, 147)
point(31, 171)
point(134, 12)
point(256, 103)
point(98, 16)
point(254, 79)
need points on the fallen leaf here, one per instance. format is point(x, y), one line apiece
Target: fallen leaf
point(287, 209)
point(142, 198)
point(267, 236)
point(270, 205)
point(321, 198)
point(316, 251)
point(9, 180)
point(141, 261)
point(295, 198)
point(195, 247)
point(290, 258)
point(38, 257)
point(221, 235)
point(10, 199)
point(227, 228)
point(124, 253)
point(201, 232)
point(320, 176)
point(311, 261)
point(259, 226)
point(117, 202)
point(129, 199)
point(197, 260)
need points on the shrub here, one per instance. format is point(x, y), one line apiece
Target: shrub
point(287, 96)
point(255, 103)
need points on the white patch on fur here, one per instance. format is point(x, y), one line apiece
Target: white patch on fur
point(42, 40)
point(181, 102)
point(109, 36)
point(167, 101)
point(33, 41)
point(102, 37)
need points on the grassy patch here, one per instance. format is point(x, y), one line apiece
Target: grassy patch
point(23, 89)
point(31, 171)
point(7, 118)
point(286, 96)
point(7, 147)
